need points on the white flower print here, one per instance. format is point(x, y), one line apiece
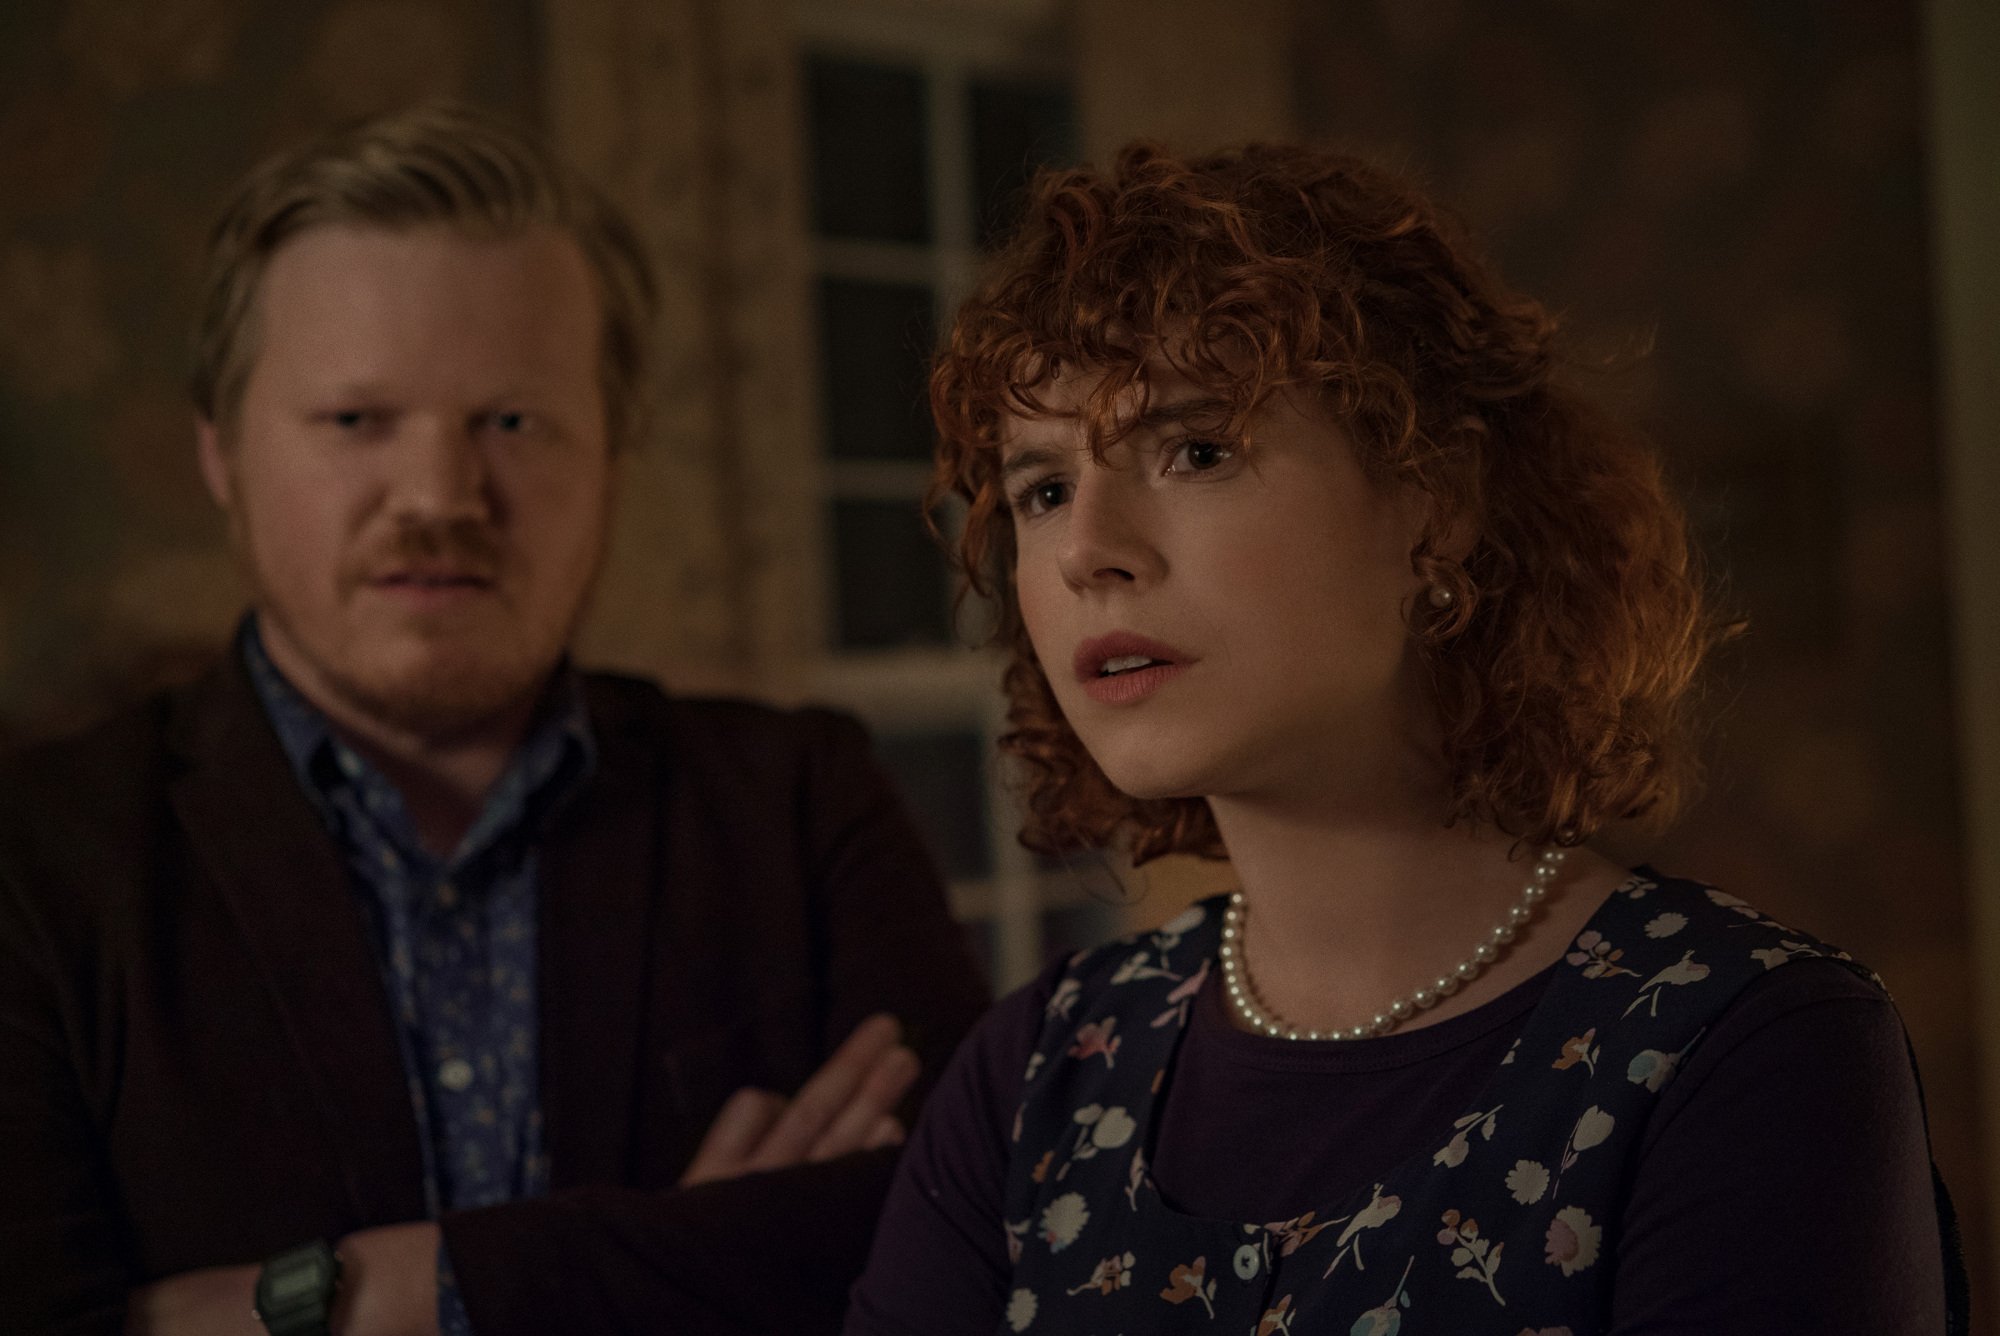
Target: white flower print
point(1684, 971)
point(1386, 1318)
point(1598, 957)
point(1095, 1040)
point(1379, 1211)
point(1590, 1130)
point(1179, 925)
point(1135, 967)
point(1177, 1001)
point(1652, 1069)
point(1113, 1273)
point(1635, 888)
point(1728, 901)
point(1101, 1129)
point(1774, 956)
point(1063, 1220)
point(1135, 1177)
point(1035, 1061)
point(1113, 1130)
point(1666, 925)
point(1572, 1240)
point(1528, 1180)
point(1063, 999)
point(1454, 1151)
point(1476, 1258)
point(1021, 1310)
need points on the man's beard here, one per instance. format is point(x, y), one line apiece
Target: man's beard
point(442, 696)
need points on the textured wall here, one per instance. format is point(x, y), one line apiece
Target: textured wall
point(122, 125)
point(1742, 185)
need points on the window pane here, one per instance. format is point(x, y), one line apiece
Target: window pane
point(870, 160)
point(943, 779)
point(1016, 128)
point(890, 576)
point(875, 345)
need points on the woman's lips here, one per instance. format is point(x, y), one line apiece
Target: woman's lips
point(1150, 666)
point(1128, 687)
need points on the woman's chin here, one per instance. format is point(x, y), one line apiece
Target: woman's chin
point(1153, 782)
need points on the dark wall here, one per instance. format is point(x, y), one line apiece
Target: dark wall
point(1741, 186)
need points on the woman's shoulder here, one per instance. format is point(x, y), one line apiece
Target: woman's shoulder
point(1659, 921)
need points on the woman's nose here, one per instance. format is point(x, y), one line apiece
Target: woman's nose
point(1107, 540)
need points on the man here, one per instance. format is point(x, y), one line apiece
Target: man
point(396, 977)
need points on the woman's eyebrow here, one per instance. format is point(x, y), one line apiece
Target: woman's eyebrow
point(1030, 457)
point(1179, 411)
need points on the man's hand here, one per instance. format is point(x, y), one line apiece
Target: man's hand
point(388, 1287)
point(217, 1300)
point(845, 1106)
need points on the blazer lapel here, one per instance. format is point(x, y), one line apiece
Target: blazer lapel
point(258, 839)
point(599, 867)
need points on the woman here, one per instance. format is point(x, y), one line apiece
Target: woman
point(1307, 555)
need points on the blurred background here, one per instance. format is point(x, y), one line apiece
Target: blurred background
point(1789, 206)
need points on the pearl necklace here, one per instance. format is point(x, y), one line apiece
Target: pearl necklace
point(1243, 994)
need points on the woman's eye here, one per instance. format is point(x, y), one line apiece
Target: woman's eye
point(1042, 497)
point(511, 422)
point(1198, 456)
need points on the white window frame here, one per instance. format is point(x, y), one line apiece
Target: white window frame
point(945, 688)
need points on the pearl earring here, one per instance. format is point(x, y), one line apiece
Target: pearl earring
point(1441, 597)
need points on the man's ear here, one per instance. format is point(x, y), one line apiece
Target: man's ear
point(214, 463)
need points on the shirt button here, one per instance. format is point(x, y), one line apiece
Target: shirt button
point(455, 1074)
point(448, 895)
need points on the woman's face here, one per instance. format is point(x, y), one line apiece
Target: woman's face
point(1213, 622)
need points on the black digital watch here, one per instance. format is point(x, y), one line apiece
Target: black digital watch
point(295, 1290)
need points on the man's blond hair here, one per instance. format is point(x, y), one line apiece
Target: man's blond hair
point(435, 164)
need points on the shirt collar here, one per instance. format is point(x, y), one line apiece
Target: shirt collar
point(550, 764)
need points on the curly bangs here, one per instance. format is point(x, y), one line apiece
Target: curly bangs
point(1561, 672)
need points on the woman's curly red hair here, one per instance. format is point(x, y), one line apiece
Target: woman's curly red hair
point(1562, 670)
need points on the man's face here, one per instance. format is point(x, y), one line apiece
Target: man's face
point(419, 475)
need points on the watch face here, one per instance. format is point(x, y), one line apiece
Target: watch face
point(299, 1285)
point(294, 1284)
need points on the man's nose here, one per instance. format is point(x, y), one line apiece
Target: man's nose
point(1106, 538)
point(441, 472)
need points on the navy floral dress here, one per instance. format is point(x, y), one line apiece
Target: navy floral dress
point(1501, 1228)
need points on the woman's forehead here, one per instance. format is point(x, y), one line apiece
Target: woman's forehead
point(1065, 404)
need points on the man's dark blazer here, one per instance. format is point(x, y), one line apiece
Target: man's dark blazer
point(198, 1067)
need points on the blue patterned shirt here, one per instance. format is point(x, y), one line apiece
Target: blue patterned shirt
point(455, 941)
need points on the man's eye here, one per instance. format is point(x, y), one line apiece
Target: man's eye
point(511, 421)
point(353, 419)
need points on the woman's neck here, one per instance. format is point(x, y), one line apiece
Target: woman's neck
point(1350, 903)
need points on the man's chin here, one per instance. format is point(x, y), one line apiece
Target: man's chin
point(443, 700)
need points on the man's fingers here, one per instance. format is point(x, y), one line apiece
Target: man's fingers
point(880, 1091)
point(886, 1132)
point(740, 1126)
point(827, 1093)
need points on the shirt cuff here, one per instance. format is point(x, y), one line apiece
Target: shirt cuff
point(452, 1318)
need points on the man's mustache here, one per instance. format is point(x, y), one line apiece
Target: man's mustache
point(461, 548)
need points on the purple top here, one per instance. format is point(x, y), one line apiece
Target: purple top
point(1784, 1184)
